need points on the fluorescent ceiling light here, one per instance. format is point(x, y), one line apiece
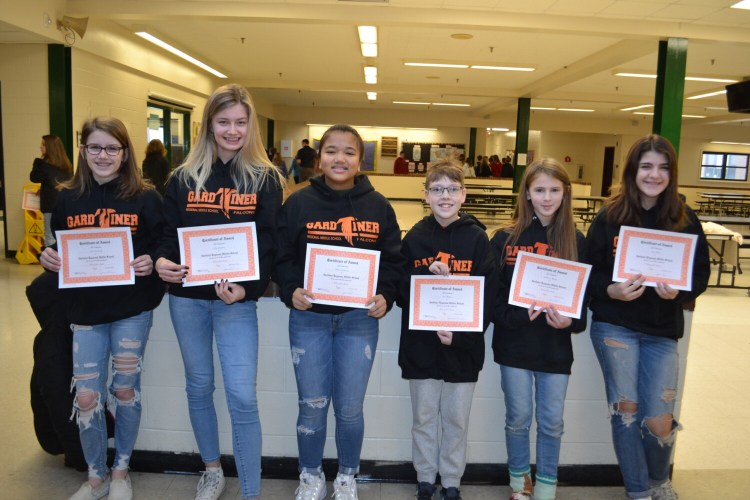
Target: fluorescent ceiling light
point(687, 78)
point(636, 75)
point(731, 143)
point(371, 75)
point(437, 65)
point(412, 102)
point(368, 34)
point(633, 108)
point(497, 129)
point(327, 125)
point(450, 104)
point(577, 110)
point(503, 68)
point(710, 94)
point(543, 109)
point(713, 80)
point(646, 113)
point(164, 45)
point(369, 49)
point(744, 4)
point(372, 96)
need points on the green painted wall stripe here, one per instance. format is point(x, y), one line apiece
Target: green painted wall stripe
point(60, 95)
point(523, 121)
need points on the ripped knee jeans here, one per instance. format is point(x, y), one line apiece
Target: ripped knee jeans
point(640, 376)
point(125, 340)
point(332, 356)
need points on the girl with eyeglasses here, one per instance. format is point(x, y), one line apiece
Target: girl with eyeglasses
point(107, 190)
point(533, 346)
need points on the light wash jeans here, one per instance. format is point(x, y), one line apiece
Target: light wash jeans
point(332, 356)
point(522, 389)
point(126, 341)
point(235, 328)
point(643, 369)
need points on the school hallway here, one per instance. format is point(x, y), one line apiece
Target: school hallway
point(712, 458)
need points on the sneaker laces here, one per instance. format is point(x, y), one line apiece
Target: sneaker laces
point(209, 484)
point(345, 487)
point(309, 487)
point(664, 492)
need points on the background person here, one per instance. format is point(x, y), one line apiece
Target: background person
point(50, 171)
point(155, 165)
point(306, 158)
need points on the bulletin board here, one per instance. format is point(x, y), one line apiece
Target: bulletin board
point(369, 162)
point(423, 154)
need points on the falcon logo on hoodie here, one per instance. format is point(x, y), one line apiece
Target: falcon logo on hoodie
point(346, 228)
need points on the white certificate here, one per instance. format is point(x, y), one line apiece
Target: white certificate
point(660, 256)
point(95, 257)
point(341, 276)
point(219, 252)
point(549, 281)
point(451, 303)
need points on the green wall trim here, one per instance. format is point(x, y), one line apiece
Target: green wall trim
point(523, 121)
point(670, 89)
point(60, 95)
point(471, 154)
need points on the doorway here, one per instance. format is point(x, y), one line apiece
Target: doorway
point(170, 123)
point(607, 169)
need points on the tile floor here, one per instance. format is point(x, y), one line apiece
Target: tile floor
point(712, 458)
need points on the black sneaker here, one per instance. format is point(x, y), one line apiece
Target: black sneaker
point(425, 491)
point(450, 493)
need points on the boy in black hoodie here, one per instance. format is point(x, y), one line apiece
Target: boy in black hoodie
point(442, 367)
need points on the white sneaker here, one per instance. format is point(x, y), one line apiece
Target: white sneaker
point(120, 489)
point(345, 487)
point(88, 492)
point(211, 485)
point(664, 492)
point(311, 487)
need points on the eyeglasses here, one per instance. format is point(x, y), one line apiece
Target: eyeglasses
point(96, 149)
point(451, 190)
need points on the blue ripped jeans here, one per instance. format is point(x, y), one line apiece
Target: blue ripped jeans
point(332, 356)
point(642, 369)
point(126, 341)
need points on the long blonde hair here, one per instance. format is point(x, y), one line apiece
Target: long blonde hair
point(561, 232)
point(249, 168)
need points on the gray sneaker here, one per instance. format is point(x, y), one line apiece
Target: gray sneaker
point(664, 492)
point(211, 485)
point(311, 487)
point(88, 492)
point(120, 489)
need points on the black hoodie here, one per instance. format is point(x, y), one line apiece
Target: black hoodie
point(648, 313)
point(220, 203)
point(356, 218)
point(464, 246)
point(101, 207)
point(518, 342)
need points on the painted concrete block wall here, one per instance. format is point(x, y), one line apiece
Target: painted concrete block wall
point(165, 425)
point(104, 88)
point(25, 115)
